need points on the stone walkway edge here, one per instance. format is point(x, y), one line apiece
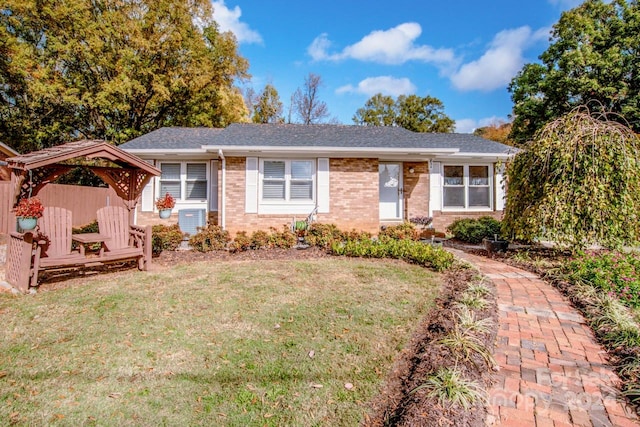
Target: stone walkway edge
point(552, 371)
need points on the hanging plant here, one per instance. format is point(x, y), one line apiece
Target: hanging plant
point(166, 202)
point(29, 208)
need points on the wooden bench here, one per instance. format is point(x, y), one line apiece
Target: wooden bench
point(50, 249)
point(125, 241)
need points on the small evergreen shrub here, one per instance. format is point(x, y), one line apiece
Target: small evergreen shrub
point(241, 243)
point(323, 235)
point(426, 255)
point(210, 238)
point(403, 231)
point(474, 230)
point(284, 239)
point(165, 238)
point(259, 239)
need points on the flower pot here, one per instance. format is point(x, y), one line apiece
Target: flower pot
point(494, 245)
point(165, 213)
point(27, 224)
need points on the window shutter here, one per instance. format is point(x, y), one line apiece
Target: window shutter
point(323, 185)
point(500, 187)
point(213, 184)
point(435, 188)
point(251, 190)
point(146, 202)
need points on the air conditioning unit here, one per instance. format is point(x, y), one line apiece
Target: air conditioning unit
point(190, 219)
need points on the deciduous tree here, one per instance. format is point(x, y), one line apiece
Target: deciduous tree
point(592, 59)
point(267, 107)
point(498, 132)
point(411, 112)
point(306, 102)
point(112, 69)
point(576, 183)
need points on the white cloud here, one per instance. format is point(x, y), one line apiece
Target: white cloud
point(229, 20)
point(385, 85)
point(470, 125)
point(392, 46)
point(500, 62)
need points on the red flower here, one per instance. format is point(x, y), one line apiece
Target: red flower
point(166, 202)
point(29, 208)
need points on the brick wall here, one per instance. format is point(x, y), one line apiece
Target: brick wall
point(416, 189)
point(353, 198)
point(442, 219)
point(354, 195)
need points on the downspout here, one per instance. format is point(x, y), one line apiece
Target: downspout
point(223, 196)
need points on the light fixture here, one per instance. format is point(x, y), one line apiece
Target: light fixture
point(411, 170)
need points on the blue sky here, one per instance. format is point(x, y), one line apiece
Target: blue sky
point(464, 53)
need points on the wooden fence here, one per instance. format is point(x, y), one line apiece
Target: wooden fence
point(5, 195)
point(83, 202)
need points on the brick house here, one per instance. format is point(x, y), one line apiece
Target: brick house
point(255, 176)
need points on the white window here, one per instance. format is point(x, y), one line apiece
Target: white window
point(287, 181)
point(184, 181)
point(466, 187)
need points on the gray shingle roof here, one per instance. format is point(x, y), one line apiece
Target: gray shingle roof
point(173, 138)
point(292, 135)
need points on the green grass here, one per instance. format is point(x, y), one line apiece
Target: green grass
point(236, 344)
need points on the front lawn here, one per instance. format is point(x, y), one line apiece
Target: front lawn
point(211, 343)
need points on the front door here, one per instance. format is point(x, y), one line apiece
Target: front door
point(390, 191)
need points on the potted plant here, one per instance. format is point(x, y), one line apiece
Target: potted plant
point(28, 211)
point(165, 205)
point(496, 244)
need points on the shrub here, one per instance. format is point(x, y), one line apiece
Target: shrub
point(241, 243)
point(403, 231)
point(165, 238)
point(92, 227)
point(474, 230)
point(356, 235)
point(429, 256)
point(611, 272)
point(209, 238)
point(323, 235)
point(259, 239)
point(284, 239)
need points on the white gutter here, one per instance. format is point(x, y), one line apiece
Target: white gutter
point(319, 149)
point(223, 197)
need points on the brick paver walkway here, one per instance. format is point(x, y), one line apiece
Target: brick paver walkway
point(552, 370)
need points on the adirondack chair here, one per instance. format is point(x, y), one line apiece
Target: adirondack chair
point(49, 249)
point(125, 241)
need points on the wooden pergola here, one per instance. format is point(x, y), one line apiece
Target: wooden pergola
point(124, 172)
point(32, 171)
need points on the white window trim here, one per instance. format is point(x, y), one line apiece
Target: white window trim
point(287, 206)
point(466, 188)
point(183, 182)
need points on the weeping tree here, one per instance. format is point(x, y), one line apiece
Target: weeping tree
point(577, 183)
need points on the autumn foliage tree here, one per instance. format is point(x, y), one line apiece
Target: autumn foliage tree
point(267, 107)
point(498, 132)
point(113, 70)
point(576, 183)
